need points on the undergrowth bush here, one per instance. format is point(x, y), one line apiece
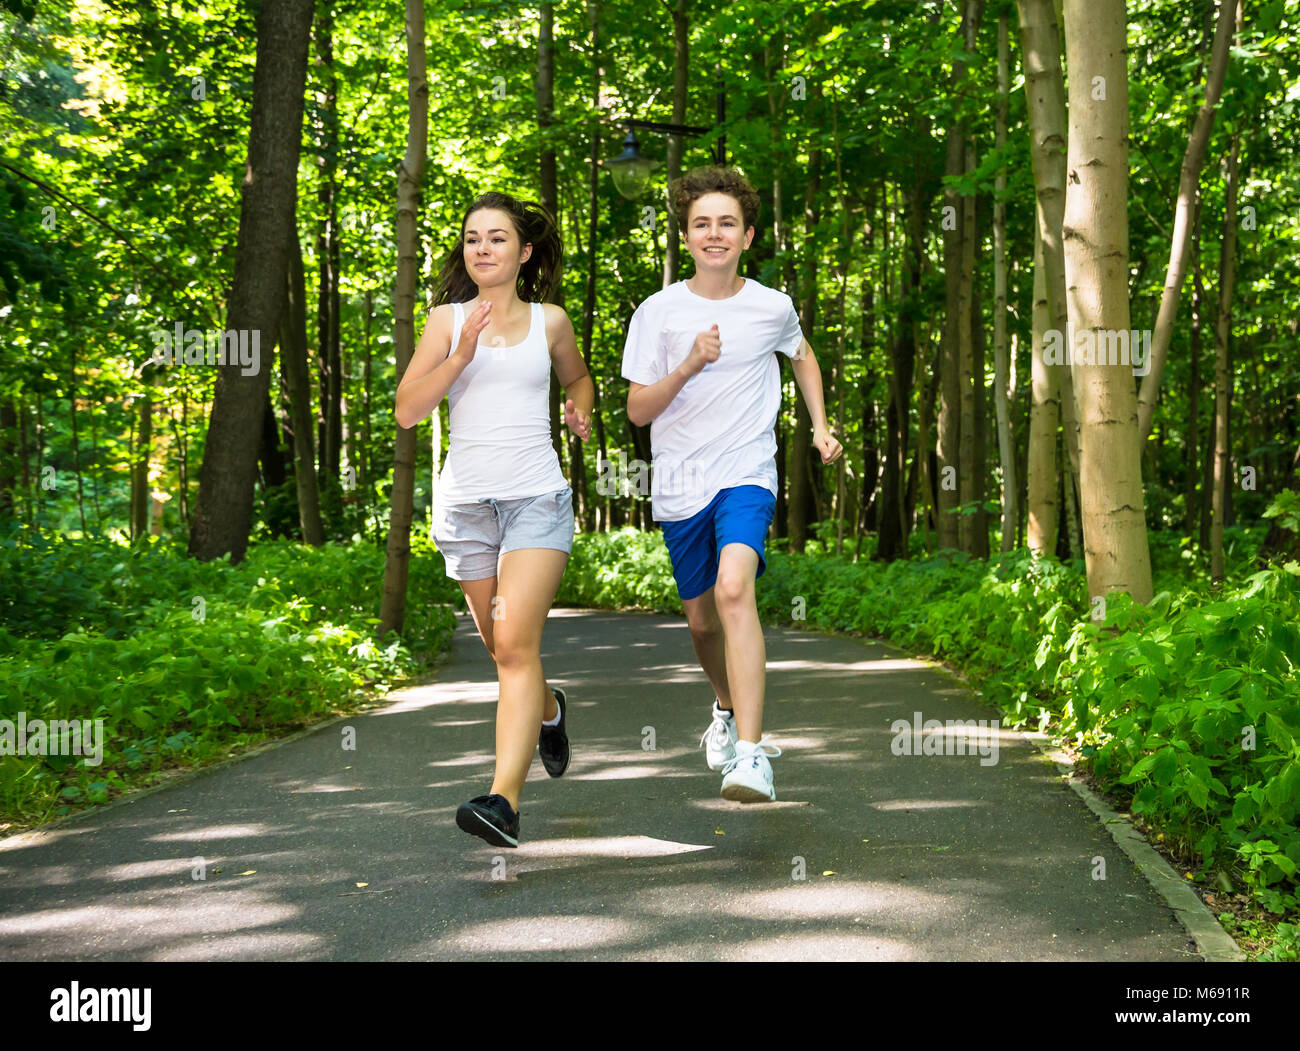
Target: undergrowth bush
point(184, 660)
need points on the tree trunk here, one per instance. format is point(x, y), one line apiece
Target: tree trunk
point(548, 183)
point(1222, 374)
point(1095, 232)
point(274, 466)
point(409, 177)
point(892, 521)
point(967, 460)
point(979, 527)
point(293, 367)
point(673, 167)
point(870, 452)
point(8, 457)
point(954, 363)
point(837, 381)
point(798, 474)
point(223, 517)
point(327, 255)
point(1191, 445)
point(24, 454)
point(948, 362)
point(1006, 446)
point(590, 504)
point(1180, 245)
point(1043, 419)
point(1045, 98)
point(140, 470)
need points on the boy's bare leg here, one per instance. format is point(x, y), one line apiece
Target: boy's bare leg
point(709, 642)
point(527, 582)
point(746, 655)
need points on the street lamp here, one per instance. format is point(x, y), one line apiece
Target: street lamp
point(631, 171)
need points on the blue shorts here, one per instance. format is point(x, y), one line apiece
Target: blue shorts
point(740, 515)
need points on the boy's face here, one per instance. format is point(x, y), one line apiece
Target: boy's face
point(714, 234)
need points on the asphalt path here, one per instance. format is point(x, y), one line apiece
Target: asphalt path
point(313, 851)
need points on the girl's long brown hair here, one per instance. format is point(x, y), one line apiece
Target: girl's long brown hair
point(538, 274)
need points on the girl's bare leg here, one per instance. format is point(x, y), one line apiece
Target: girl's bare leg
point(479, 595)
point(527, 581)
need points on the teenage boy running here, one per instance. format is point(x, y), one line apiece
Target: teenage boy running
point(701, 363)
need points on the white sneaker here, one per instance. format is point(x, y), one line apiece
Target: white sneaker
point(748, 777)
point(721, 738)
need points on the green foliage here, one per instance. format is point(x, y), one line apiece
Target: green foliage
point(1286, 509)
point(184, 659)
point(625, 569)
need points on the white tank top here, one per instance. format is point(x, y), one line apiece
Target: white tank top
point(500, 443)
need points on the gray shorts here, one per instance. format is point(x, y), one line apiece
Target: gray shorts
point(473, 536)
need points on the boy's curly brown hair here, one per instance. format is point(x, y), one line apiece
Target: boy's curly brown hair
point(714, 179)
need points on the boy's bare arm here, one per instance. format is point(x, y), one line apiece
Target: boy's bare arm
point(808, 376)
point(645, 401)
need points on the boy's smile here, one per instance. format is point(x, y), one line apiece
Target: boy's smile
point(714, 232)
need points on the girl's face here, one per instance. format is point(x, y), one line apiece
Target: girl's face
point(493, 253)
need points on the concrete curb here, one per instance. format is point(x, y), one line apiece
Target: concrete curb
point(1213, 942)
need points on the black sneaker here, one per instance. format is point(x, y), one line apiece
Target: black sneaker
point(492, 818)
point(553, 742)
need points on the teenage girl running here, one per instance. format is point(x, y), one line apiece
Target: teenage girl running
point(503, 513)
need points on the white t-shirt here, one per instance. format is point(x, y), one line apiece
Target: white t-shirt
point(719, 431)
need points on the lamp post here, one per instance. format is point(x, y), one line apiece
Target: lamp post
point(631, 171)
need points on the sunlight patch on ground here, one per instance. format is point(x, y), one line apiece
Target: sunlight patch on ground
point(729, 804)
point(42, 836)
point(925, 804)
point(242, 947)
point(218, 832)
point(839, 666)
point(146, 869)
point(609, 847)
point(465, 760)
point(544, 935)
point(145, 920)
point(417, 697)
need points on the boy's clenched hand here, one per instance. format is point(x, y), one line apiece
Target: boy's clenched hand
point(707, 348)
point(826, 444)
